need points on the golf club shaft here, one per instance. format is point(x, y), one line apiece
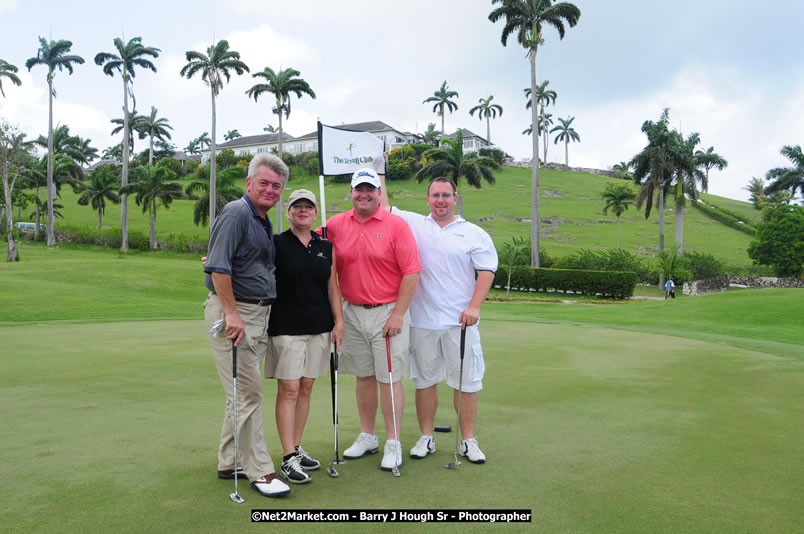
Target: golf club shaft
point(460, 387)
point(234, 421)
point(391, 384)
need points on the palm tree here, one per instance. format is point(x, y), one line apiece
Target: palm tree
point(64, 171)
point(430, 135)
point(150, 126)
point(280, 84)
point(133, 118)
point(226, 192)
point(566, 133)
point(54, 55)
point(231, 134)
point(688, 175)
point(654, 168)
point(710, 159)
point(512, 254)
point(193, 147)
point(441, 97)
point(129, 55)
point(618, 197)
point(270, 129)
point(203, 140)
point(88, 153)
point(788, 178)
point(756, 188)
point(153, 187)
point(449, 160)
point(102, 185)
point(544, 97)
point(7, 70)
point(488, 110)
point(64, 143)
point(114, 152)
point(525, 18)
point(219, 62)
point(545, 121)
point(624, 169)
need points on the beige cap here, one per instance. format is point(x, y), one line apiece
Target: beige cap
point(302, 194)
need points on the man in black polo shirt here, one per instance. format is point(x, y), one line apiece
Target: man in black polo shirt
point(240, 276)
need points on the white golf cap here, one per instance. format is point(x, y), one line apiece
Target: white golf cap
point(365, 176)
point(300, 194)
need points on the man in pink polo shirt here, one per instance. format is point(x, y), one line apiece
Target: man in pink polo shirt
point(378, 269)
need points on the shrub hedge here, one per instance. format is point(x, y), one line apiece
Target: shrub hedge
point(726, 218)
point(615, 284)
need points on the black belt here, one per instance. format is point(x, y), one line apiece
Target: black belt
point(369, 306)
point(263, 302)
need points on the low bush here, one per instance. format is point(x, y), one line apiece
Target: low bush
point(494, 153)
point(607, 260)
point(701, 265)
point(726, 218)
point(604, 283)
point(112, 238)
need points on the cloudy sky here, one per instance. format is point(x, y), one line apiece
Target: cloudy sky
point(731, 70)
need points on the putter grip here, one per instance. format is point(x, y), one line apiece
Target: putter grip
point(234, 360)
point(388, 351)
point(463, 341)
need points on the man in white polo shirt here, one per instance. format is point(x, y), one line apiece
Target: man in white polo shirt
point(458, 264)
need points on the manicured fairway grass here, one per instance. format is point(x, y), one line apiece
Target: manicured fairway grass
point(654, 416)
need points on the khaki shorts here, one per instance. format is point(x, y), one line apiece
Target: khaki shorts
point(294, 357)
point(363, 351)
point(435, 356)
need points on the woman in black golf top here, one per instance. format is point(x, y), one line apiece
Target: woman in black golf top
point(305, 319)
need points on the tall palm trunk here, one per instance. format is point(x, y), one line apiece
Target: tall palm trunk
point(279, 211)
point(213, 195)
point(661, 228)
point(151, 151)
point(534, 191)
point(37, 216)
point(680, 229)
point(12, 246)
point(124, 181)
point(153, 226)
point(544, 127)
point(100, 219)
point(618, 231)
point(566, 151)
point(442, 120)
point(488, 129)
point(51, 236)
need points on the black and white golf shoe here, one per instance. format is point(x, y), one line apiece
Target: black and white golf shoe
point(292, 471)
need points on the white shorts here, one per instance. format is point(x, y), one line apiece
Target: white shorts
point(435, 356)
point(363, 351)
point(294, 357)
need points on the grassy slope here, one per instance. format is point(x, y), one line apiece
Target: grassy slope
point(652, 416)
point(571, 202)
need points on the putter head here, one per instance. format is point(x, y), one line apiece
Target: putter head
point(454, 464)
point(332, 472)
point(237, 498)
point(395, 471)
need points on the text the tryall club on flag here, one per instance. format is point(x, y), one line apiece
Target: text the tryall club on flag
point(345, 151)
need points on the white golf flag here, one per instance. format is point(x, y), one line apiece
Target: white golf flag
point(344, 151)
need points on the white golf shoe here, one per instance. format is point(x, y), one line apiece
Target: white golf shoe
point(423, 447)
point(392, 457)
point(364, 444)
point(471, 451)
point(270, 486)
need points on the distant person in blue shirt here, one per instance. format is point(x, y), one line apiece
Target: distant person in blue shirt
point(669, 289)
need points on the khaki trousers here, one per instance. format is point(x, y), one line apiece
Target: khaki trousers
point(252, 451)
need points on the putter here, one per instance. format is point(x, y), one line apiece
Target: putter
point(215, 330)
point(235, 496)
point(333, 373)
point(457, 462)
point(395, 469)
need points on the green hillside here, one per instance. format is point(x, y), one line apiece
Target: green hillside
point(571, 212)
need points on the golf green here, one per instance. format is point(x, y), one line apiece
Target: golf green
point(114, 426)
